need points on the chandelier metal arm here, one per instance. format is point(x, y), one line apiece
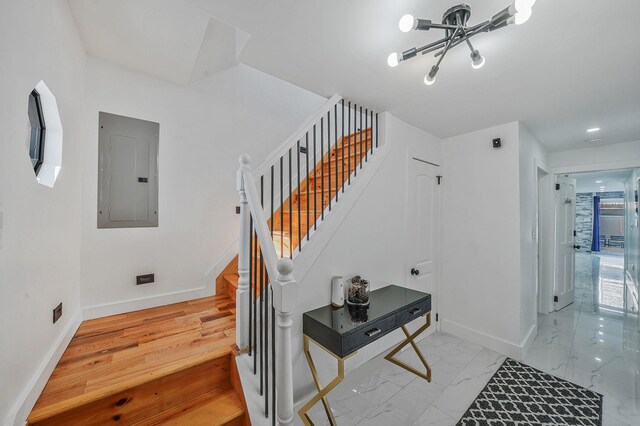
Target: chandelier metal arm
point(447, 47)
point(437, 27)
point(433, 46)
point(470, 45)
point(467, 36)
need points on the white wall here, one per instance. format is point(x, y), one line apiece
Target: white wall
point(481, 238)
point(609, 157)
point(632, 234)
point(532, 158)
point(370, 242)
point(40, 235)
point(203, 130)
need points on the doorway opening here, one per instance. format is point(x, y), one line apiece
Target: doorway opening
point(605, 241)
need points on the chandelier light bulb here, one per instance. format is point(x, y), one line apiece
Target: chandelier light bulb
point(406, 23)
point(522, 17)
point(428, 80)
point(523, 5)
point(477, 60)
point(392, 60)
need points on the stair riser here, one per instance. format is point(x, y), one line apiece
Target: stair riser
point(356, 149)
point(148, 399)
point(319, 199)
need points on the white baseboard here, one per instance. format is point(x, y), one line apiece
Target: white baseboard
point(18, 415)
point(99, 311)
point(528, 340)
point(510, 349)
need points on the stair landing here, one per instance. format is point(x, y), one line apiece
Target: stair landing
point(131, 356)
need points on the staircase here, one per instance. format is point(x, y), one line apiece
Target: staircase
point(282, 206)
point(301, 211)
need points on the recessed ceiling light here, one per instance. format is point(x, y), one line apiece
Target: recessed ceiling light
point(598, 181)
point(593, 129)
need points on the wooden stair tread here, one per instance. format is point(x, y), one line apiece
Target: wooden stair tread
point(113, 354)
point(232, 279)
point(213, 409)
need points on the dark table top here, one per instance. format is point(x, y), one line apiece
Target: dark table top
point(384, 302)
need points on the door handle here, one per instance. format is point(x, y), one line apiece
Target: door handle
point(577, 247)
point(414, 271)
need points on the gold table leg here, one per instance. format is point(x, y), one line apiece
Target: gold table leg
point(322, 391)
point(410, 340)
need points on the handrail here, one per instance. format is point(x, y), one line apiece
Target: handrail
point(260, 223)
point(296, 136)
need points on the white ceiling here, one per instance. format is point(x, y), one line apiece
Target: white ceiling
point(573, 66)
point(612, 180)
point(169, 39)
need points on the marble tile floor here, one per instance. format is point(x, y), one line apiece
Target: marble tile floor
point(595, 342)
point(586, 343)
point(381, 393)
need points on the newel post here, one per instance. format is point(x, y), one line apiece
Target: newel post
point(285, 294)
point(242, 293)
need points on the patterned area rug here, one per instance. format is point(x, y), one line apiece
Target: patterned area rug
point(521, 395)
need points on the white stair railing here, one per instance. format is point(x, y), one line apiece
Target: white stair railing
point(284, 293)
point(313, 167)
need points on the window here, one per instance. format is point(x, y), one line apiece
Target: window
point(38, 128)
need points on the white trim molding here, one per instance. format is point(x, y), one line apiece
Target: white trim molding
point(516, 351)
point(115, 308)
point(20, 412)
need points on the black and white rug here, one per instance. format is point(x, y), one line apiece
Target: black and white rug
point(521, 395)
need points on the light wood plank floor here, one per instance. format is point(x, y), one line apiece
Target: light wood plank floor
point(110, 354)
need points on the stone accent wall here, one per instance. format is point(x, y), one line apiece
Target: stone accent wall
point(584, 220)
point(584, 216)
point(611, 194)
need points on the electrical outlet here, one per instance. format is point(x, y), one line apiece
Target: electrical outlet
point(57, 313)
point(145, 279)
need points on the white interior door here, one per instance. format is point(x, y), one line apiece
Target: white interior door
point(422, 208)
point(564, 290)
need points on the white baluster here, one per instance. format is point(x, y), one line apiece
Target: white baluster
point(242, 293)
point(285, 293)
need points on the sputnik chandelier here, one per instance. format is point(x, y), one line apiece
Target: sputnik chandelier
point(457, 31)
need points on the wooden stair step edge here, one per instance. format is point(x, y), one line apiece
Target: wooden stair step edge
point(231, 281)
point(146, 394)
point(216, 408)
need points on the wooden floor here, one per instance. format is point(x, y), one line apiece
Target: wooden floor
point(111, 355)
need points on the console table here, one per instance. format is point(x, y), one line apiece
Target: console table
point(342, 331)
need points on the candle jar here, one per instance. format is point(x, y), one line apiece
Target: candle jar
point(358, 291)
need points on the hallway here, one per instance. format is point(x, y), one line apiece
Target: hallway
point(594, 342)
